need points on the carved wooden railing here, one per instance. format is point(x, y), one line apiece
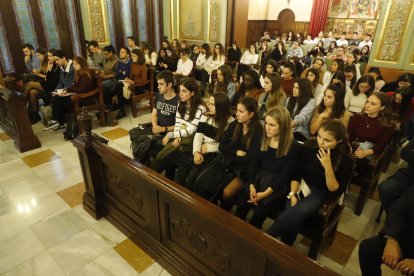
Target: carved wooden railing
point(183, 232)
point(14, 120)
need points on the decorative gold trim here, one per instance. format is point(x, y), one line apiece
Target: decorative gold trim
point(398, 14)
point(412, 59)
point(97, 19)
point(214, 20)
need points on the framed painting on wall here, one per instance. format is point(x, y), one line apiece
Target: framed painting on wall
point(349, 27)
point(370, 27)
point(367, 9)
point(191, 24)
point(338, 27)
point(329, 25)
point(339, 8)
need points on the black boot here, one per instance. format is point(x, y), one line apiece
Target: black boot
point(121, 113)
point(35, 118)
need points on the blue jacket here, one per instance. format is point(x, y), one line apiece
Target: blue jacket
point(66, 76)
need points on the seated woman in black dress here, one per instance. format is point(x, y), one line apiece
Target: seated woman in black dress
point(326, 169)
point(270, 168)
point(237, 146)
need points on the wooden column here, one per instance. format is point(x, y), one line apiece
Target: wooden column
point(13, 36)
point(241, 13)
point(64, 31)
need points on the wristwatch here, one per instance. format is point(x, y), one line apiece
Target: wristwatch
point(290, 195)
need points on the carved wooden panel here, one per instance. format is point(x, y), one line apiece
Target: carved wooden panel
point(183, 232)
point(286, 17)
point(256, 28)
point(206, 247)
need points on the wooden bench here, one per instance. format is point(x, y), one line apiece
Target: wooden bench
point(15, 121)
point(186, 234)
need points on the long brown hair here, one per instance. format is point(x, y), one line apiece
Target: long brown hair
point(221, 86)
point(338, 130)
point(221, 50)
point(276, 94)
point(45, 62)
point(251, 105)
point(385, 115)
point(84, 69)
point(195, 101)
point(223, 113)
point(282, 116)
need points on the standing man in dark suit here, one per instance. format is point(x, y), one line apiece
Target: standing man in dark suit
point(394, 246)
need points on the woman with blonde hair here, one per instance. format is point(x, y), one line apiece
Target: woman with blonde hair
point(271, 167)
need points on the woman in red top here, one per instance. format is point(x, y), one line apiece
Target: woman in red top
point(371, 131)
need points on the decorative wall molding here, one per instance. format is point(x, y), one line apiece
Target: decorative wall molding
point(394, 31)
point(96, 16)
point(214, 28)
point(393, 45)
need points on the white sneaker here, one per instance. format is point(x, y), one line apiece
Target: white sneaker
point(59, 128)
point(51, 125)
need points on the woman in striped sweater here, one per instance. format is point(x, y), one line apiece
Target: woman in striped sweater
point(189, 113)
point(206, 140)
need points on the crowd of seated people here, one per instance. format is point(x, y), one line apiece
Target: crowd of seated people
point(287, 118)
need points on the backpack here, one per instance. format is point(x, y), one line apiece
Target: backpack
point(207, 179)
point(72, 128)
point(140, 141)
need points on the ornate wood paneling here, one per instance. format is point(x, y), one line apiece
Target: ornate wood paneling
point(183, 232)
point(256, 28)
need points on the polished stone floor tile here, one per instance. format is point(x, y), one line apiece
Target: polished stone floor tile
point(73, 195)
point(11, 224)
point(79, 250)
point(109, 264)
point(6, 205)
point(42, 264)
point(59, 174)
point(115, 133)
point(39, 158)
point(84, 215)
point(43, 209)
point(341, 248)
point(155, 269)
point(30, 193)
point(108, 231)
point(329, 263)
point(59, 228)
point(6, 154)
point(134, 255)
point(18, 249)
point(4, 136)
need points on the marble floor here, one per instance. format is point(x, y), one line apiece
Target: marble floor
point(45, 231)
